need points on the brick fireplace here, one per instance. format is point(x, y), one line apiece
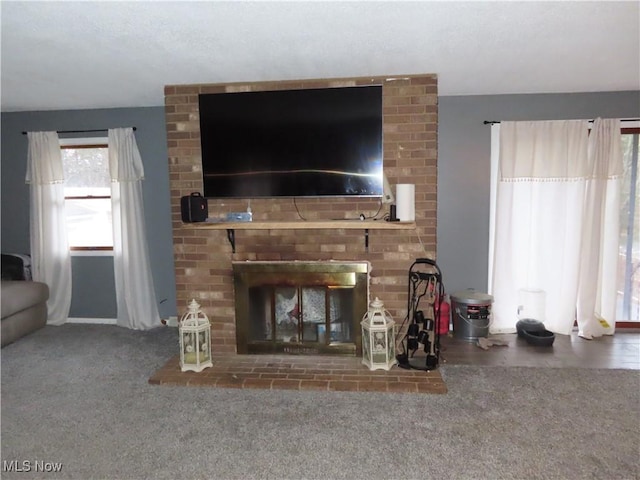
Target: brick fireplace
point(204, 257)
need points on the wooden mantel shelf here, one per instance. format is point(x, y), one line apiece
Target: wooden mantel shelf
point(304, 225)
point(365, 225)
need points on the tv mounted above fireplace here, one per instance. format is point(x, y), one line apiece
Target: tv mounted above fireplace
point(292, 143)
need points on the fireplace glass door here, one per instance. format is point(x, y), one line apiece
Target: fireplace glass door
point(304, 308)
point(300, 319)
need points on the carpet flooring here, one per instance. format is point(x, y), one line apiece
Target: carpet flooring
point(78, 396)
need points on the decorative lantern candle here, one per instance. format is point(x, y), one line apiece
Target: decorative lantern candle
point(195, 339)
point(378, 338)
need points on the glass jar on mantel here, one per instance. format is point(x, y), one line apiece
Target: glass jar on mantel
point(195, 339)
point(378, 338)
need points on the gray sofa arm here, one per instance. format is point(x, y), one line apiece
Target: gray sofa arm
point(23, 308)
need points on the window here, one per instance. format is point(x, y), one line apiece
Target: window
point(87, 193)
point(628, 281)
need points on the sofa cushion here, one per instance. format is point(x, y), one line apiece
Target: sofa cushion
point(20, 295)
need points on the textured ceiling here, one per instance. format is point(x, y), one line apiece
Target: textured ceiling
point(75, 55)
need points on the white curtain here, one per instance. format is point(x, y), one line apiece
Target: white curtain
point(50, 258)
point(596, 308)
point(556, 191)
point(135, 294)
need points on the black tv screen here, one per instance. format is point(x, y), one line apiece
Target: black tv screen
point(292, 143)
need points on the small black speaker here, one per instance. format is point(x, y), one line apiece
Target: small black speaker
point(194, 208)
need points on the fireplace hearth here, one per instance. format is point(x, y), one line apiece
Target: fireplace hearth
point(301, 308)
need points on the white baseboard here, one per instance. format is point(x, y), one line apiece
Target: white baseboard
point(95, 321)
point(170, 322)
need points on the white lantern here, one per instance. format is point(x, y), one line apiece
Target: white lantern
point(195, 339)
point(378, 338)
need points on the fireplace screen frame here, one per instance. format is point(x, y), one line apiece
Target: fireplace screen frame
point(300, 275)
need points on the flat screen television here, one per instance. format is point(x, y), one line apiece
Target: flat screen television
point(292, 143)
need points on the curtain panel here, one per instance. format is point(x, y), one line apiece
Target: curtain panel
point(135, 294)
point(50, 258)
point(596, 304)
point(554, 198)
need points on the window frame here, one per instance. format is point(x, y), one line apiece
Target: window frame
point(630, 128)
point(79, 143)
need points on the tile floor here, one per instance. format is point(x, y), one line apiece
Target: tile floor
point(329, 373)
point(621, 350)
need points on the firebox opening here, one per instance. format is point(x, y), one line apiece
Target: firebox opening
point(300, 307)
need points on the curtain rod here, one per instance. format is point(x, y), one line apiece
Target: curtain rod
point(83, 131)
point(491, 122)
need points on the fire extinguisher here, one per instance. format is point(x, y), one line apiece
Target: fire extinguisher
point(445, 316)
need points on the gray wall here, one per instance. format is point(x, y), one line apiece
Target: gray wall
point(93, 281)
point(464, 149)
point(463, 184)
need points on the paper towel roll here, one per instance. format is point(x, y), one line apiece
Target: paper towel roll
point(406, 202)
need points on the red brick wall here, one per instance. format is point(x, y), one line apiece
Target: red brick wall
point(203, 257)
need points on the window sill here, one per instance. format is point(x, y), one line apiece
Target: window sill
point(91, 253)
